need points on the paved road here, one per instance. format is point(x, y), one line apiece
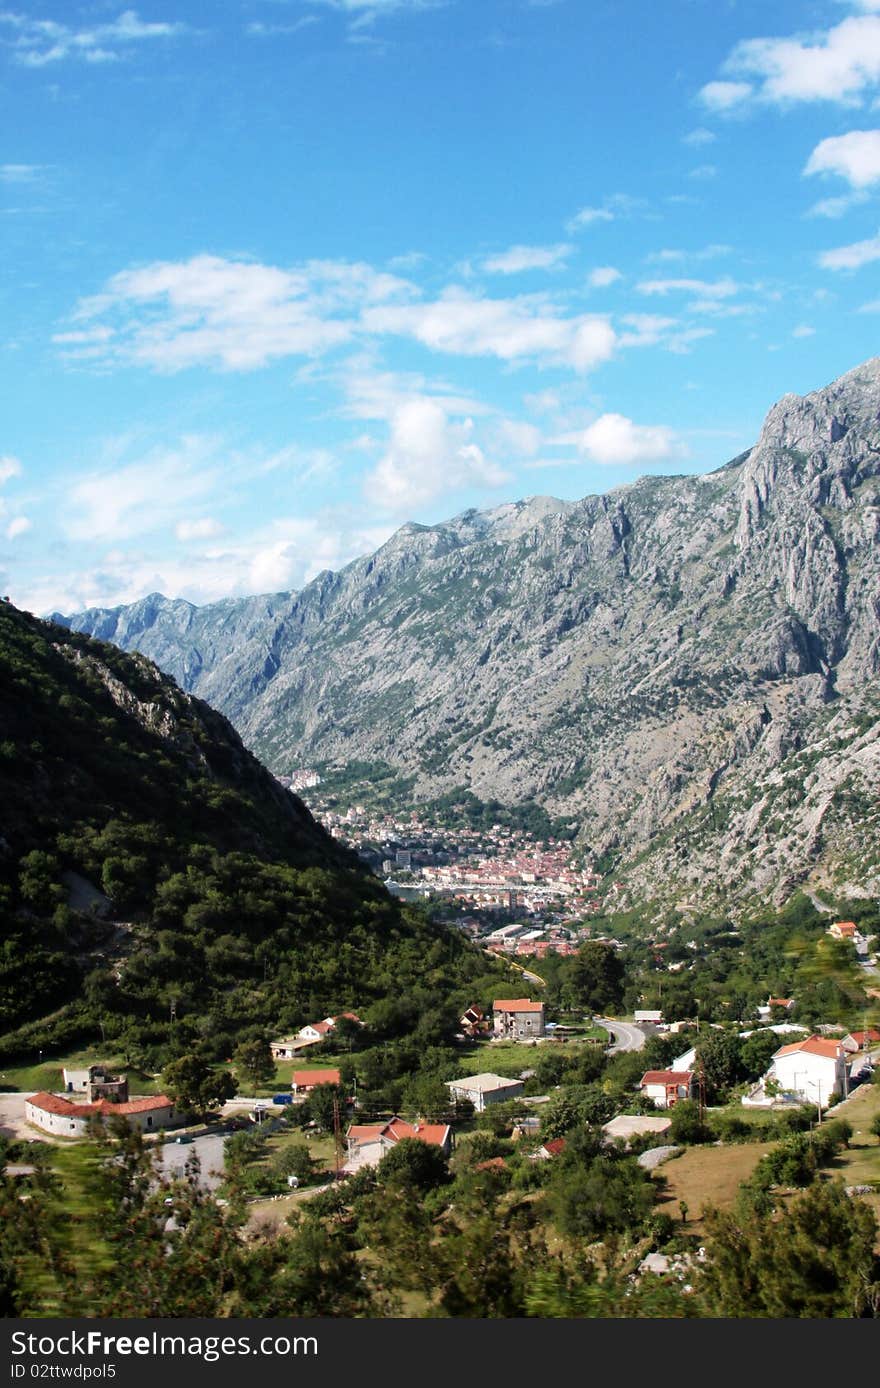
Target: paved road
point(625, 1036)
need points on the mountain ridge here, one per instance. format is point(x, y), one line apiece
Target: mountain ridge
point(633, 660)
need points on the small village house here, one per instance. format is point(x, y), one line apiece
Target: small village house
point(96, 1082)
point(64, 1118)
point(483, 1090)
point(368, 1143)
point(856, 1041)
point(666, 1087)
point(304, 1081)
point(518, 1019)
point(814, 1069)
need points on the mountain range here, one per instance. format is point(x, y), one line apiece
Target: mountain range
point(684, 671)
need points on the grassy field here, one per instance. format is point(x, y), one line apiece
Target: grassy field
point(711, 1175)
point(704, 1176)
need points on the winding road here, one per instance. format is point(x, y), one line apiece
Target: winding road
point(625, 1035)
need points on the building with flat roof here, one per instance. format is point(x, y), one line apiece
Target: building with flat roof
point(483, 1090)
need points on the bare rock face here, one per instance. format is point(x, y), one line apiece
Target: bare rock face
point(666, 665)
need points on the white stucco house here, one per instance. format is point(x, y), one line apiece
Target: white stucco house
point(814, 1069)
point(63, 1118)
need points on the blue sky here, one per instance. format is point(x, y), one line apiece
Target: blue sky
point(280, 275)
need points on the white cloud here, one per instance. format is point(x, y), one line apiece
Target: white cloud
point(851, 257)
point(707, 289)
point(587, 216)
point(704, 172)
point(203, 529)
point(516, 438)
point(39, 42)
point(603, 276)
point(832, 208)
point(230, 313)
point(260, 30)
point(20, 173)
point(615, 440)
point(428, 456)
point(873, 306)
point(512, 330)
point(521, 258)
point(699, 137)
point(9, 467)
point(126, 499)
point(17, 527)
point(836, 64)
point(674, 255)
point(724, 96)
point(280, 556)
point(855, 157)
point(803, 330)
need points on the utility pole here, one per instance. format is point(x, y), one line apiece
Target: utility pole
point(337, 1136)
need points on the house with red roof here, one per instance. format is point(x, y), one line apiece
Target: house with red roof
point(304, 1081)
point(518, 1019)
point(861, 1040)
point(64, 1118)
point(848, 930)
point(368, 1143)
point(666, 1087)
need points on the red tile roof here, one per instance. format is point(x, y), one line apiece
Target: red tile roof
point(517, 1005)
point(53, 1103)
point(862, 1037)
point(813, 1045)
point(397, 1128)
point(554, 1146)
point(306, 1079)
point(667, 1077)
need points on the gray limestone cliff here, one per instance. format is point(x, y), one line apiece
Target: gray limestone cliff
point(686, 668)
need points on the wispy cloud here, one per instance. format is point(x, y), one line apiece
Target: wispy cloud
point(521, 258)
point(707, 289)
point(39, 42)
point(260, 30)
point(699, 137)
point(512, 330)
point(603, 276)
point(9, 467)
point(20, 173)
point(615, 205)
point(851, 257)
point(228, 313)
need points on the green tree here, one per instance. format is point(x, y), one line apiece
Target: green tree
point(719, 1053)
point(193, 1083)
point(417, 1165)
point(254, 1062)
point(596, 977)
point(686, 1123)
point(812, 1258)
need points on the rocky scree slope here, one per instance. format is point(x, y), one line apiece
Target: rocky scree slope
point(685, 668)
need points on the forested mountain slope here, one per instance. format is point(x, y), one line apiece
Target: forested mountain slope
point(147, 857)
